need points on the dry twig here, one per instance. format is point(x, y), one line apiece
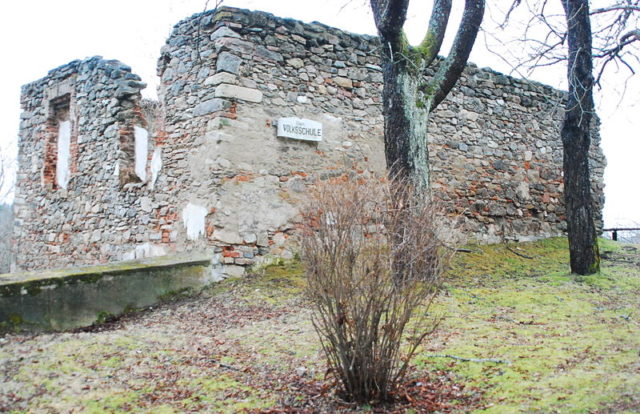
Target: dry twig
point(497, 361)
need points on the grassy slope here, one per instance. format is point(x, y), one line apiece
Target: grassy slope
point(572, 343)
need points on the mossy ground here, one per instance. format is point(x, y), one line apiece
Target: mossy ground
point(572, 342)
point(565, 344)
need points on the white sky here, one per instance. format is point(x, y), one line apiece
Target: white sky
point(38, 35)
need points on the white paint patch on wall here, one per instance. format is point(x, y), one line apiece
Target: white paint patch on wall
point(142, 144)
point(149, 250)
point(193, 218)
point(64, 153)
point(156, 165)
point(144, 250)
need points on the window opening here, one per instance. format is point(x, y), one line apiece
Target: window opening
point(57, 162)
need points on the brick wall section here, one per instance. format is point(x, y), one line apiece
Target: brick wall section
point(50, 153)
point(228, 186)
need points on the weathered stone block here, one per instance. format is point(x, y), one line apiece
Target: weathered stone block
point(296, 63)
point(263, 239)
point(227, 236)
point(238, 92)
point(224, 31)
point(266, 54)
point(212, 105)
point(234, 45)
point(221, 77)
point(233, 271)
point(250, 238)
point(228, 62)
point(343, 82)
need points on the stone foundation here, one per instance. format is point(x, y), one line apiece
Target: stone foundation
point(64, 299)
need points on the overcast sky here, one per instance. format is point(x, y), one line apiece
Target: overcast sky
point(38, 35)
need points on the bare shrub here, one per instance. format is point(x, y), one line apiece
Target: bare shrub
point(374, 255)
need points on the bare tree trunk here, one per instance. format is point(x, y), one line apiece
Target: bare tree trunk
point(405, 126)
point(409, 96)
point(576, 139)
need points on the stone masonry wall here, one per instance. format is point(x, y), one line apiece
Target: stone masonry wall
point(220, 181)
point(98, 217)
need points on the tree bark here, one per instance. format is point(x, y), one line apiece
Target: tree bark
point(576, 140)
point(405, 126)
point(409, 96)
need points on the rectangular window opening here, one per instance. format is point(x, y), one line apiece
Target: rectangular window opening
point(57, 162)
point(141, 152)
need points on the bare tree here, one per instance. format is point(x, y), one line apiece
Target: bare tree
point(608, 36)
point(576, 140)
point(409, 95)
point(615, 36)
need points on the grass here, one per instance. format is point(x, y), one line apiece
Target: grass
point(275, 284)
point(572, 342)
point(518, 330)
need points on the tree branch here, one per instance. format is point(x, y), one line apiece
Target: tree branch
point(389, 16)
point(452, 67)
point(497, 361)
point(631, 36)
point(507, 16)
point(614, 53)
point(628, 8)
point(432, 42)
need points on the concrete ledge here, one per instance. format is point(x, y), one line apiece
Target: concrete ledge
point(77, 297)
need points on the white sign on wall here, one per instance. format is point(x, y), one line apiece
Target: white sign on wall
point(298, 128)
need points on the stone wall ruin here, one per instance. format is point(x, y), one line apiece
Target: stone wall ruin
point(203, 169)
